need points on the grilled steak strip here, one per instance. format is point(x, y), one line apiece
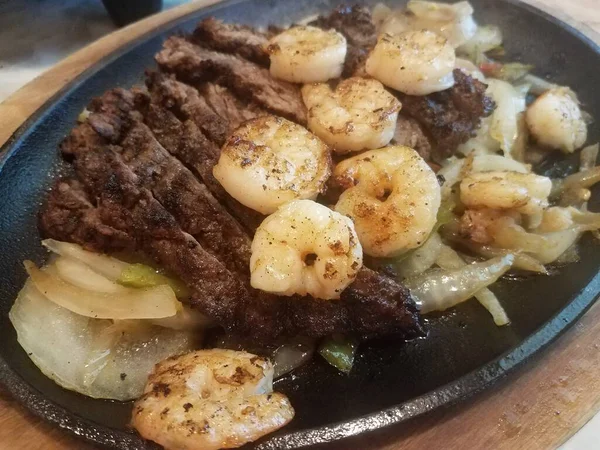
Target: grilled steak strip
point(356, 24)
point(410, 134)
point(240, 40)
point(194, 64)
point(450, 117)
point(228, 106)
point(187, 103)
point(68, 212)
point(124, 206)
point(190, 202)
point(170, 182)
point(185, 141)
point(206, 106)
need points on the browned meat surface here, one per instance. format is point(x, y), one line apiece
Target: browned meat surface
point(231, 38)
point(195, 64)
point(69, 212)
point(185, 140)
point(213, 108)
point(172, 184)
point(450, 117)
point(175, 187)
point(409, 133)
point(228, 106)
point(189, 104)
point(356, 24)
point(131, 209)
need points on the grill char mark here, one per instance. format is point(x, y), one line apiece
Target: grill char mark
point(356, 24)
point(170, 182)
point(185, 141)
point(133, 211)
point(232, 38)
point(450, 117)
point(194, 64)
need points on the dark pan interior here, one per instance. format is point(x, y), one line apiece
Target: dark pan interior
point(392, 381)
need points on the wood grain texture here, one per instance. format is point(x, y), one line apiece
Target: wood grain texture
point(538, 407)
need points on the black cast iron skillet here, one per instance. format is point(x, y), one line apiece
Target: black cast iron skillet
point(464, 352)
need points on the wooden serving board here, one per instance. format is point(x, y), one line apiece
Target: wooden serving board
point(538, 407)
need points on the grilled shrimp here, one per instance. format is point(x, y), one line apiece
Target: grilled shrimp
point(269, 161)
point(307, 54)
point(360, 114)
point(210, 399)
point(526, 193)
point(305, 248)
point(414, 62)
point(555, 120)
point(453, 21)
point(392, 196)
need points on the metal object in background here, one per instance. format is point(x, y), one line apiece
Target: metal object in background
point(124, 12)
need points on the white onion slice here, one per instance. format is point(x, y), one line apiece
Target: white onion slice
point(450, 260)
point(556, 243)
point(151, 303)
point(185, 319)
point(105, 265)
point(515, 237)
point(504, 123)
point(452, 173)
point(523, 261)
point(490, 302)
point(292, 355)
point(422, 258)
point(61, 343)
point(486, 38)
point(80, 275)
point(588, 157)
point(440, 289)
point(488, 163)
point(538, 85)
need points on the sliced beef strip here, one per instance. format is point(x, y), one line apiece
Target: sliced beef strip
point(240, 40)
point(188, 104)
point(171, 183)
point(356, 24)
point(122, 205)
point(185, 141)
point(228, 106)
point(188, 200)
point(210, 105)
point(69, 211)
point(450, 117)
point(194, 64)
point(410, 134)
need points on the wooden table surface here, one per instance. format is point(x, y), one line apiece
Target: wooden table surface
point(538, 407)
